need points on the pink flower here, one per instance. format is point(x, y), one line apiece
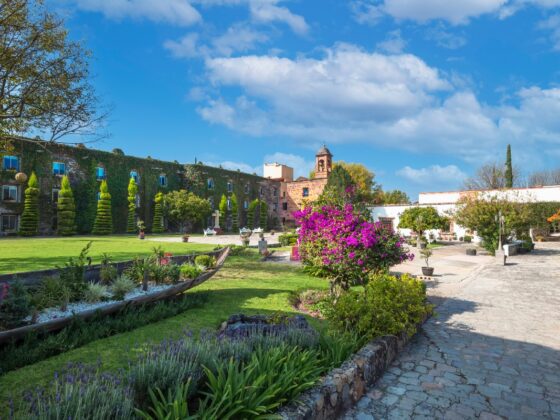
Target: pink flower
point(351, 255)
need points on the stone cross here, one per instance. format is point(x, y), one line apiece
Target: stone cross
point(216, 215)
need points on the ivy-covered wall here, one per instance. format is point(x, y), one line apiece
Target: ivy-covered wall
point(81, 164)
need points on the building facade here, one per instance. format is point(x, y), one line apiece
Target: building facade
point(446, 204)
point(295, 194)
point(86, 168)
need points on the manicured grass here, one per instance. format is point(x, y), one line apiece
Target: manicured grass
point(243, 285)
point(29, 254)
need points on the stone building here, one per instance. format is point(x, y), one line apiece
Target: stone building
point(86, 168)
point(295, 194)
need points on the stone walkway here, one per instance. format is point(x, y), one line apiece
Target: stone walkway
point(493, 350)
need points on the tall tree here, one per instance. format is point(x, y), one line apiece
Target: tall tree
point(394, 197)
point(44, 77)
point(185, 209)
point(490, 176)
point(509, 169)
point(363, 179)
point(157, 225)
point(132, 192)
point(29, 225)
point(103, 224)
point(66, 209)
point(339, 189)
point(234, 213)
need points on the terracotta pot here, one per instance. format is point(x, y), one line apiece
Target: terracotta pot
point(141, 235)
point(185, 238)
point(428, 271)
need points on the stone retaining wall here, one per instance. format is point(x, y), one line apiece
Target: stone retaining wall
point(33, 278)
point(343, 387)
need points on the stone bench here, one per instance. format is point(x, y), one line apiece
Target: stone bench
point(209, 232)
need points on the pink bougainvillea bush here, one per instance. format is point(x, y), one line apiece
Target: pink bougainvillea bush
point(345, 246)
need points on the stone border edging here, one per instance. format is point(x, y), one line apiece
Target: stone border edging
point(343, 387)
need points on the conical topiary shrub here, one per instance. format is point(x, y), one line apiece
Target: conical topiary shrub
point(103, 224)
point(66, 209)
point(234, 214)
point(131, 221)
point(157, 225)
point(29, 225)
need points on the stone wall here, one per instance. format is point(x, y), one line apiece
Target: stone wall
point(343, 387)
point(295, 199)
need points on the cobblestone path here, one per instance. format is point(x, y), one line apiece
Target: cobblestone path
point(493, 350)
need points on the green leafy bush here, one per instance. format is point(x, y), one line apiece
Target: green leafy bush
point(205, 261)
point(73, 274)
point(336, 348)
point(66, 209)
point(15, 304)
point(467, 238)
point(96, 292)
point(388, 305)
point(121, 286)
point(29, 224)
point(157, 224)
point(288, 239)
point(107, 273)
point(52, 292)
point(190, 271)
point(236, 250)
point(173, 406)
point(38, 346)
point(103, 224)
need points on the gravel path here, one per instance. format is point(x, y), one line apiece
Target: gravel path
point(493, 350)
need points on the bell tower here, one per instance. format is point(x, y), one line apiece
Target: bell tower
point(323, 163)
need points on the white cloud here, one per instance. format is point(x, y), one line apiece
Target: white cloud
point(394, 43)
point(301, 166)
point(552, 24)
point(445, 38)
point(457, 12)
point(267, 11)
point(449, 175)
point(176, 12)
point(237, 38)
point(395, 101)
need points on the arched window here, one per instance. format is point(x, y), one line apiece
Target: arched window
point(100, 173)
point(163, 180)
point(321, 165)
point(210, 183)
point(229, 186)
point(134, 174)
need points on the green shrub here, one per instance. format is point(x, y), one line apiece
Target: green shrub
point(52, 292)
point(103, 224)
point(236, 250)
point(336, 348)
point(174, 405)
point(38, 346)
point(107, 273)
point(205, 261)
point(15, 304)
point(131, 198)
point(121, 286)
point(387, 306)
point(29, 223)
point(467, 238)
point(288, 239)
point(190, 271)
point(96, 292)
point(73, 274)
point(139, 265)
point(157, 224)
point(66, 209)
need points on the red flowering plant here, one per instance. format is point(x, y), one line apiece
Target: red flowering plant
point(345, 246)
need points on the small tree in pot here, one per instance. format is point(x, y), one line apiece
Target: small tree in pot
point(426, 254)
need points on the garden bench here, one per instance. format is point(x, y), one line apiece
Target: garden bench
point(209, 232)
point(258, 230)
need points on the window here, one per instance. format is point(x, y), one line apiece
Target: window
point(275, 192)
point(387, 223)
point(228, 204)
point(274, 207)
point(261, 191)
point(247, 188)
point(9, 193)
point(137, 200)
point(245, 204)
point(10, 162)
point(9, 222)
point(229, 187)
point(59, 168)
point(283, 194)
point(305, 192)
point(100, 173)
point(134, 174)
point(163, 180)
point(211, 201)
point(210, 183)
point(284, 206)
point(98, 195)
point(55, 192)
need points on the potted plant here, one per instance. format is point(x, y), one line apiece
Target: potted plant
point(426, 254)
point(185, 237)
point(141, 228)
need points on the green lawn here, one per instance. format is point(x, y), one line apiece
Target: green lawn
point(243, 285)
point(28, 254)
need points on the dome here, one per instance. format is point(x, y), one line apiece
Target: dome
point(324, 151)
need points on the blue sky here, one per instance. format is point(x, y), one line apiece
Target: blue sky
point(420, 91)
